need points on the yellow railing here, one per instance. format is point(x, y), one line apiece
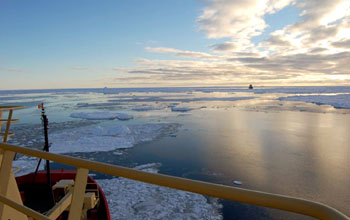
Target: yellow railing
point(281, 202)
point(7, 121)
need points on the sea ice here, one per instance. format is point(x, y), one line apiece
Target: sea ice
point(101, 116)
point(145, 108)
point(303, 89)
point(337, 101)
point(237, 182)
point(106, 138)
point(129, 199)
point(122, 116)
point(27, 165)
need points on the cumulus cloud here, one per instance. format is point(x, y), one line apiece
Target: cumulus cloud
point(315, 49)
point(323, 24)
point(236, 18)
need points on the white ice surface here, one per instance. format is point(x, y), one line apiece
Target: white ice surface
point(303, 89)
point(122, 116)
point(27, 165)
point(130, 199)
point(101, 115)
point(338, 101)
point(106, 138)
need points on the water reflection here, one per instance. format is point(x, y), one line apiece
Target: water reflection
point(294, 153)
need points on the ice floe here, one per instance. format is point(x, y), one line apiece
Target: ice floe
point(337, 101)
point(107, 138)
point(129, 199)
point(101, 116)
point(122, 116)
point(237, 182)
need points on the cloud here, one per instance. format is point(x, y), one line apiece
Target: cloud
point(226, 46)
point(236, 18)
point(181, 53)
point(304, 64)
point(323, 24)
point(314, 50)
point(342, 44)
point(317, 13)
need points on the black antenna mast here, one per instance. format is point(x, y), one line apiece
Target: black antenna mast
point(45, 122)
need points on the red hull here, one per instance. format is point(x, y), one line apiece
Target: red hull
point(35, 191)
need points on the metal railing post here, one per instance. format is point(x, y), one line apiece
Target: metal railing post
point(8, 124)
point(78, 194)
point(5, 170)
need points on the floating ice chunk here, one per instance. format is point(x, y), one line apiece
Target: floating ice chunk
point(130, 199)
point(337, 101)
point(118, 153)
point(181, 109)
point(237, 182)
point(122, 116)
point(98, 138)
point(149, 167)
point(90, 144)
point(101, 116)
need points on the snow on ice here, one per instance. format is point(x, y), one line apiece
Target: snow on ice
point(107, 138)
point(337, 101)
point(122, 116)
point(129, 199)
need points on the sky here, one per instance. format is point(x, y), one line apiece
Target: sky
point(165, 43)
